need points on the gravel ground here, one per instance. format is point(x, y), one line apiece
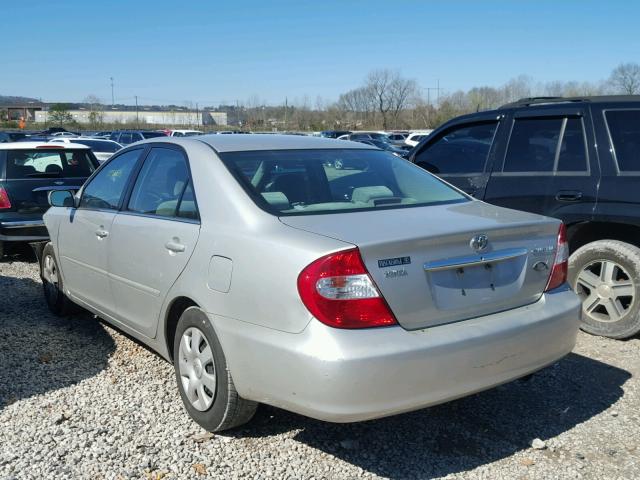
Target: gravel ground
point(80, 400)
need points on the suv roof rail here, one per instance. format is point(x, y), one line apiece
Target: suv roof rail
point(527, 101)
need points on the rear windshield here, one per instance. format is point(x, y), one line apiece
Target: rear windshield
point(43, 163)
point(98, 146)
point(303, 182)
point(152, 134)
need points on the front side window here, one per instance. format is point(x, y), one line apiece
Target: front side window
point(624, 128)
point(106, 189)
point(461, 150)
point(302, 182)
point(161, 184)
point(49, 162)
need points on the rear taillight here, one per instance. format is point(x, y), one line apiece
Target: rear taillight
point(561, 263)
point(4, 199)
point(338, 291)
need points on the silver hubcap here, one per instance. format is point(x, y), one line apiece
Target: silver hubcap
point(606, 289)
point(49, 271)
point(197, 369)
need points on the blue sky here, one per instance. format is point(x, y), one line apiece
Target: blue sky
point(213, 51)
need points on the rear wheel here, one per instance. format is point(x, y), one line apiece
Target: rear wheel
point(56, 300)
point(606, 276)
point(204, 380)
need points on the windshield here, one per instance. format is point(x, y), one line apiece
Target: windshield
point(302, 182)
point(45, 163)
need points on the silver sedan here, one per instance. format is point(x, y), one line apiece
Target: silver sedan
point(267, 275)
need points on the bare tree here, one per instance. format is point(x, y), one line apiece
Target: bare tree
point(625, 78)
point(96, 110)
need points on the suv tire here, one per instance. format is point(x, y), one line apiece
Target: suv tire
point(606, 276)
point(56, 300)
point(204, 380)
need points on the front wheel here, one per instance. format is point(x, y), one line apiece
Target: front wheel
point(606, 276)
point(204, 380)
point(54, 295)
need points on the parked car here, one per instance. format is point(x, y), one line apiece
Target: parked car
point(334, 133)
point(126, 137)
point(102, 149)
point(102, 135)
point(28, 172)
point(6, 137)
point(576, 159)
point(397, 138)
point(265, 276)
point(64, 134)
point(415, 138)
point(184, 133)
point(401, 152)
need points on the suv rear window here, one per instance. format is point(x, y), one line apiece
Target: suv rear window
point(304, 182)
point(44, 163)
point(624, 129)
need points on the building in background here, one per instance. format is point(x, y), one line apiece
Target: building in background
point(143, 116)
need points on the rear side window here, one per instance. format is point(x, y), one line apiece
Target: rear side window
point(44, 163)
point(460, 150)
point(125, 138)
point(105, 190)
point(624, 129)
point(546, 145)
point(161, 185)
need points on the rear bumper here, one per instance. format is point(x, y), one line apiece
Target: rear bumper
point(350, 375)
point(28, 230)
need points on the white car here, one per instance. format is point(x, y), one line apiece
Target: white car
point(184, 133)
point(102, 149)
point(416, 137)
point(64, 134)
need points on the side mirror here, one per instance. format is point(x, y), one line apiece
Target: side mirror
point(61, 198)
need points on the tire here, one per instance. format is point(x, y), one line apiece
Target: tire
point(606, 276)
point(1, 250)
point(53, 289)
point(213, 403)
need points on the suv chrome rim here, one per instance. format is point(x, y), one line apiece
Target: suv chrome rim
point(197, 369)
point(606, 289)
point(50, 275)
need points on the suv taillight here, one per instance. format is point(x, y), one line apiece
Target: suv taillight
point(338, 291)
point(561, 262)
point(4, 199)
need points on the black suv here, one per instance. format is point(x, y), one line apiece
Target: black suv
point(126, 137)
point(577, 159)
point(28, 172)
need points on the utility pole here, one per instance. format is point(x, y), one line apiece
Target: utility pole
point(198, 122)
point(137, 118)
point(238, 113)
point(286, 105)
point(112, 97)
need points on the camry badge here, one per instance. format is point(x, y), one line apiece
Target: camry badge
point(58, 182)
point(479, 242)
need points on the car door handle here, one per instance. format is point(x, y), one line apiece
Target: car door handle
point(174, 246)
point(100, 233)
point(568, 196)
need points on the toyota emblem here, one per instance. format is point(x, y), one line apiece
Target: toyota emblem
point(479, 242)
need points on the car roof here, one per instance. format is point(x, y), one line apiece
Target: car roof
point(43, 145)
point(535, 101)
point(250, 142)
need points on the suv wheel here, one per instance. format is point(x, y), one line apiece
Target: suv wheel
point(56, 300)
point(204, 381)
point(606, 276)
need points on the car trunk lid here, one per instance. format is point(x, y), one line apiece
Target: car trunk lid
point(424, 262)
